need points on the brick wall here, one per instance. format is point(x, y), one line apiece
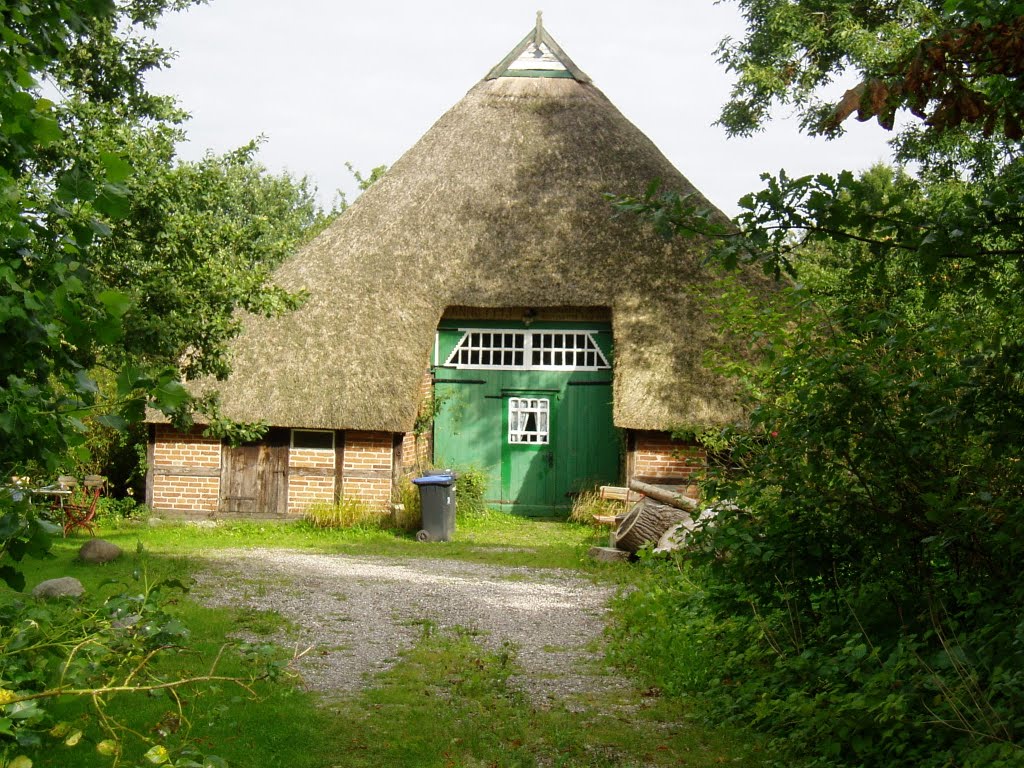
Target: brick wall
point(418, 450)
point(657, 458)
point(185, 469)
point(310, 478)
point(367, 467)
point(417, 453)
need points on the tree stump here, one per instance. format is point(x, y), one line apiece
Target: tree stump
point(645, 523)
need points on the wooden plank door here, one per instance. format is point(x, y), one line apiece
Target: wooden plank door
point(254, 480)
point(529, 452)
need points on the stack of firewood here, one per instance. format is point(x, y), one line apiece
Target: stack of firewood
point(658, 514)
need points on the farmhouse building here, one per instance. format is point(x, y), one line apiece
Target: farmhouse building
point(478, 306)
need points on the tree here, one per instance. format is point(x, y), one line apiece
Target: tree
point(57, 207)
point(867, 575)
point(199, 241)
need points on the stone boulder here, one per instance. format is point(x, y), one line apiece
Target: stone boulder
point(98, 551)
point(67, 586)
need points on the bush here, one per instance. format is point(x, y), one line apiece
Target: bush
point(110, 511)
point(470, 486)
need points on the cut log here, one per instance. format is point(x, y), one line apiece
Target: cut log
point(677, 500)
point(675, 537)
point(645, 523)
point(608, 554)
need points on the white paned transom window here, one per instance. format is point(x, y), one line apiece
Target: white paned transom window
point(528, 350)
point(528, 420)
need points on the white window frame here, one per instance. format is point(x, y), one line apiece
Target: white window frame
point(330, 432)
point(518, 410)
point(533, 350)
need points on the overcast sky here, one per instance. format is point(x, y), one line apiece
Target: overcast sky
point(333, 81)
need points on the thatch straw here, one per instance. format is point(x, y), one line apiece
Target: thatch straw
point(500, 204)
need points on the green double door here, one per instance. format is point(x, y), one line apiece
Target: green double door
point(538, 422)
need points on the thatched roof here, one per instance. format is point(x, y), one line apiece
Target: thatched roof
point(500, 204)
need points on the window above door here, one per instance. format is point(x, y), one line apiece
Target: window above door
point(540, 350)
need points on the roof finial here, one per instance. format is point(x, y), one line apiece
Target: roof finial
point(537, 55)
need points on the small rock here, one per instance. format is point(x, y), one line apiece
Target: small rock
point(608, 554)
point(155, 522)
point(99, 551)
point(67, 586)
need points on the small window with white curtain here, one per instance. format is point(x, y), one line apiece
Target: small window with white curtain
point(528, 420)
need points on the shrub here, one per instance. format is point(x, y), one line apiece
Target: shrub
point(470, 486)
point(111, 511)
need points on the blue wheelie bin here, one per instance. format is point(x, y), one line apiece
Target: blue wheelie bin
point(437, 503)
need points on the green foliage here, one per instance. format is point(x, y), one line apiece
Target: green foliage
point(860, 602)
point(867, 577)
point(52, 651)
point(198, 242)
point(59, 204)
point(114, 512)
point(470, 486)
point(955, 63)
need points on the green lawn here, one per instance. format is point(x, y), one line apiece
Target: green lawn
point(446, 703)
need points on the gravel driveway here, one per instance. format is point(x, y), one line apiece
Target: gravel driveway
point(359, 612)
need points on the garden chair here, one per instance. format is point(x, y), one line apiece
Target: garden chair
point(82, 515)
point(67, 483)
point(95, 481)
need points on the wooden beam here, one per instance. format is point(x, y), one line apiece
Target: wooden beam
point(150, 461)
point(178, 471)
point(339, 464)
point(300, 471)
point(677, 500)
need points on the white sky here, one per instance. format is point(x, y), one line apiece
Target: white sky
point(329, 82)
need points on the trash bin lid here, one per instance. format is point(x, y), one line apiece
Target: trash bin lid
point(434, 480)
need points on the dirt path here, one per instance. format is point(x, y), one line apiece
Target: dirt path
point(358, 613)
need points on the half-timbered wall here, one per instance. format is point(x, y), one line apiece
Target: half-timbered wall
point(184, 471)
point(367, 470)
point(194, 475)
point(310, 478)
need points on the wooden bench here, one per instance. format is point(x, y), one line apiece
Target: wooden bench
point(616, 493)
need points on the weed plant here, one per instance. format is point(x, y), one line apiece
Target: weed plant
point(347, 513)
point(587, 504)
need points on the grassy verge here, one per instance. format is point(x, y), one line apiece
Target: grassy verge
point(490, 537)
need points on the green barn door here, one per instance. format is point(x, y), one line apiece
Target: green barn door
point(529, 406)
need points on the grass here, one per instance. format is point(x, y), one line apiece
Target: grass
point(489, 537)
point(452, 702)
point(449, 701)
